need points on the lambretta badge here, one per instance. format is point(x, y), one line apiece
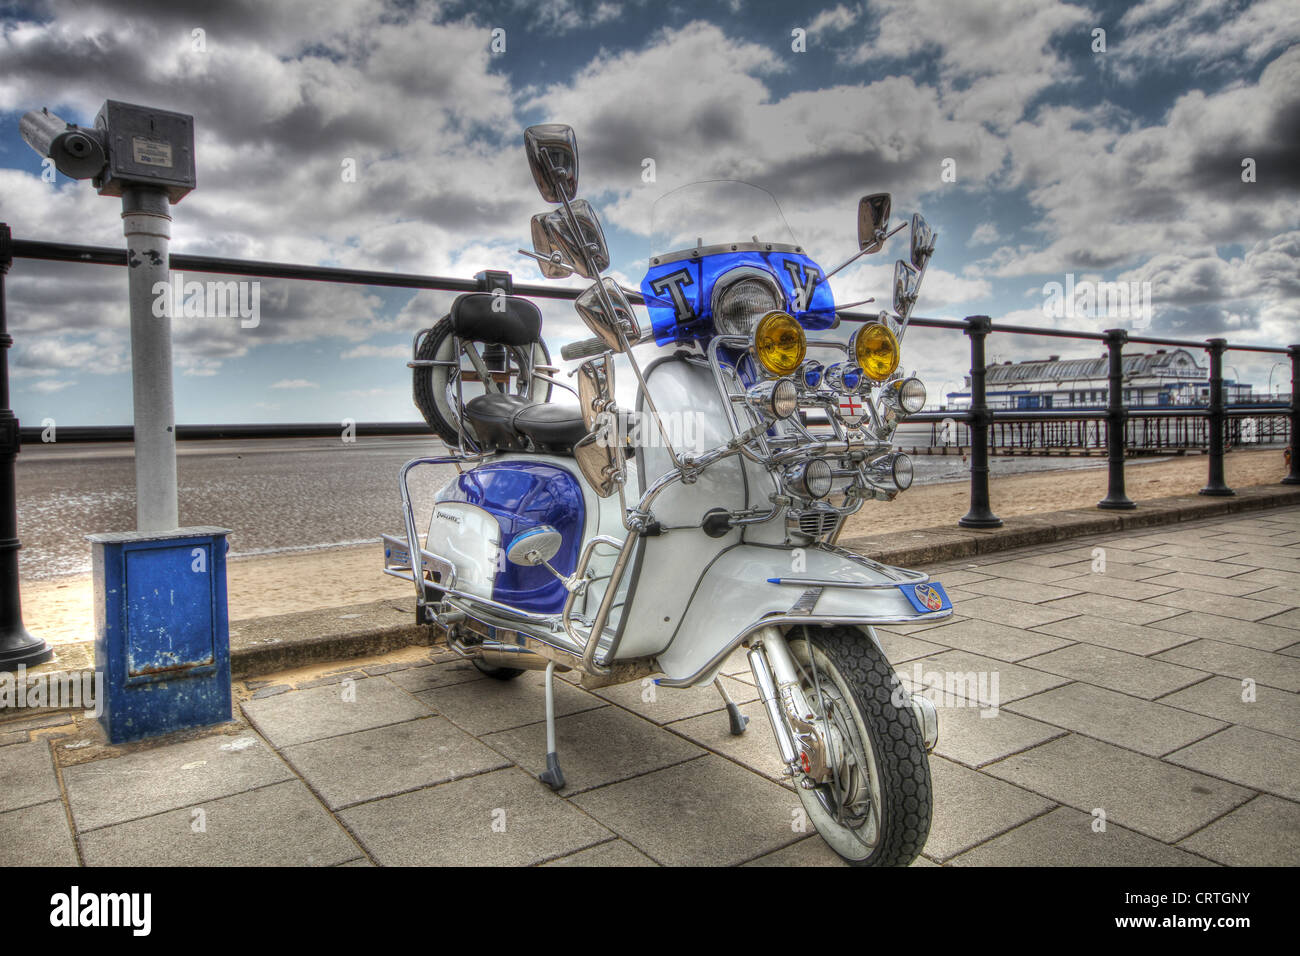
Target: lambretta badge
point(928, 596)
point(447, 517)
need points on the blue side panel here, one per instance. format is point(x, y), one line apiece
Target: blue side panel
point(522, 495)
point(688, 315)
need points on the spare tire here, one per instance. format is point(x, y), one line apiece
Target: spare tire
point(432, 387)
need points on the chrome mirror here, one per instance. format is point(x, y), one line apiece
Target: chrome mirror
point(922, 241)
point(591, 306)
point(549, 259)
point(906, 283)
point(553, 158)
point(873, 221)
point(586, 250)
point(534, 546)
point(595, 389)
point(596, 458)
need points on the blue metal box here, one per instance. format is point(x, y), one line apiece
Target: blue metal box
point(162, 630)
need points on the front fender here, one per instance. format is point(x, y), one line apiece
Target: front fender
point(736, 595)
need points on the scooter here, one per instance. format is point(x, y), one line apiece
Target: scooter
point(622, 543)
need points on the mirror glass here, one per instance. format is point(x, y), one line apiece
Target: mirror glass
point(922, 241)
point(873, 221)
point(595, 388)
point(543, 247)
point(590, 238)
point(553, 158)
point(596, 458)
point(591, 307)
point(905, 281)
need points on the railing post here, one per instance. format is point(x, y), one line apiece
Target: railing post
point(16, 645)
point(1216, 486)
point(1293, 477)
point(1116, 425)
point(980, 514)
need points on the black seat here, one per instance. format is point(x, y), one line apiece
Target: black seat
point(511, 423)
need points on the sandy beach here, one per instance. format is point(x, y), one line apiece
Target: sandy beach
point(60, 609)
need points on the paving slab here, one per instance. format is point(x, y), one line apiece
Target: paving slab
point(1268, 577)
point(414, 680)
point(666, 704)
point(1020, 590)
point(332, 710)
point(1133, 638)
point(279, 825)
point(755, 748)
point(36, 835)
point(1261, 636)
point(1106, 667)
point(1142, 793)
point(1129, 722)
point(1066, 837)
point(810, 851)
point(1117, 582)
point(978, 735)
point(1110, 608)
point(1206, 584)
point(1002, 611)
point(486, 706)
point(1017, 569)
point(28, 775)
point(613, 853)
point(1249, 757)
point(1217, 569)
point(596, 747)
point(1242, 608)
point(1289, 619)
point(1231, 660)
point(503, 818)
point(1224, 698)
point(970, 807)
point(1000, 641)
point(1263, 832)
point(903, 647)
point(388, 760)
point(706, 812)
point(169, 777)
point(952, 672)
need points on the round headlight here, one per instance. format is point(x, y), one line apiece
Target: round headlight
point(911, 395)
point(876, 350)
point(815, 478)
point(779, 343)
point(902, 472)
point(774, 399)
point(741, 302)
point(844, 377)
point(811, 372)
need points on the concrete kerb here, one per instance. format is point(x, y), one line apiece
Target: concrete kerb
point(269, 644)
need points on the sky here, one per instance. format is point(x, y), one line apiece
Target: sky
point(1037, 147)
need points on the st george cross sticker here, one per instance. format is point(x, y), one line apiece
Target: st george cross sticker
point(926, 598)
point(851, 410)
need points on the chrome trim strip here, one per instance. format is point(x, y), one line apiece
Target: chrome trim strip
point(701, 251)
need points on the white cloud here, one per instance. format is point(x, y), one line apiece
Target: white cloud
point(295, 383)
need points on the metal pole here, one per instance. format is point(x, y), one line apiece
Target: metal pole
point(146, 219)
point(980, 514)
point(17, 646)
point(1216, 486)
point(1293, 478)
point(1116, 425)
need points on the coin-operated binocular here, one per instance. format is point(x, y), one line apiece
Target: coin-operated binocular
point(128, 146)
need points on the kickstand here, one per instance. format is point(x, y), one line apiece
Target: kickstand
point(738, 720)
point(552, 776)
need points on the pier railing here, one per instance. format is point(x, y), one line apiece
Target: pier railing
point(1118, 427)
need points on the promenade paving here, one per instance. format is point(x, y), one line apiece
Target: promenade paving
point(1146, 711)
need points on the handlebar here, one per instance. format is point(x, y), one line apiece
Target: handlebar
point(583, 349)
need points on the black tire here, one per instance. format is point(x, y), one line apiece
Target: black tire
point(429, 386)
point(498, 673)
point(900, 761)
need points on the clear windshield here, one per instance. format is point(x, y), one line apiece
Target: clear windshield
point(716, 212)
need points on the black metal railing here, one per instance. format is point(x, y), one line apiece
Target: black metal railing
point(979, 419)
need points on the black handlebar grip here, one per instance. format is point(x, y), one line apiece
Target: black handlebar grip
point(584, 349)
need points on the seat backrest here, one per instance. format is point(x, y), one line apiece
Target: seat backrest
point(518, 322)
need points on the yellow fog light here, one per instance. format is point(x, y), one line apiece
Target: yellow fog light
point(876, 351)
point(779, 343)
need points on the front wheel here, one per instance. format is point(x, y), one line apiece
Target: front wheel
point(874, 810)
